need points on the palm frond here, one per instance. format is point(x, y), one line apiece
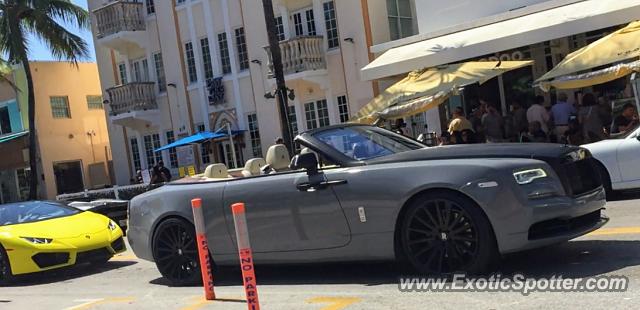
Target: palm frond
point(5, 74)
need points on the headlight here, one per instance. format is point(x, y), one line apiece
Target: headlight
point(112, 225)
point(528, 176)
point(37, 240)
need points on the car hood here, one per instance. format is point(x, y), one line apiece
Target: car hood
point(60, 228)
point(603, 146)
point(542, 151)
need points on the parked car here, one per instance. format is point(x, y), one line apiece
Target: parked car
point(618, 160)
point(112, 208)
point(41, 235)
point(360, 193)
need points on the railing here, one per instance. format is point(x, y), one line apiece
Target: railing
point(136, 96)
point(119, 16)
point(300, 54)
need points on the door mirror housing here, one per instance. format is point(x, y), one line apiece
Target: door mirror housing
point(307, 161)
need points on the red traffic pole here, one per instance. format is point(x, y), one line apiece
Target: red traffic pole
point(203, 249)
point(246, 256)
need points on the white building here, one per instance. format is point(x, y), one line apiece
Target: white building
point(156, 56)
point(462, 30)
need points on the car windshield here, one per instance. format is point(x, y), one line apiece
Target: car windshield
point(364, 142)
point(27, 212)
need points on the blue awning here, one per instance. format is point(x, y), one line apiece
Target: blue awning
point(199, 138)
point(11, 136)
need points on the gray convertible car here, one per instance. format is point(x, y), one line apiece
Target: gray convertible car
point(362, 193)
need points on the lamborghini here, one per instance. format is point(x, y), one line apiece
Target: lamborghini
point(41, 235)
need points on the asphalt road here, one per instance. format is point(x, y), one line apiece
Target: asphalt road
point(129, 283)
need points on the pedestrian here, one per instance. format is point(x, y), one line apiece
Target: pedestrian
point(458, 121)
point(400, 127)
point(468, 136)
point(444, 139)
point(560, 114)
point(166, 173)
point(627, 120)
point(279, 140)
point(139, 179)
point(493, 125)
point(519, 116)
point(538, 113)
point(534, 133)
point(589, 117)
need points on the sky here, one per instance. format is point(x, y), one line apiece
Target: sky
point(39, 51)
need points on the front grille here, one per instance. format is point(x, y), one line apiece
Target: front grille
point(118, 245)
point(578, 176)
point(44, 260)
point(559, 227)
point(93, 255)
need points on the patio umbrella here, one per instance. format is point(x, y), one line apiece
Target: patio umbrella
point(423, 90)
point(617, 53)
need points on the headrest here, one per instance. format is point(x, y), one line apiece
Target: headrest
point(216, 171)
point(278, 157)
point(252, 167)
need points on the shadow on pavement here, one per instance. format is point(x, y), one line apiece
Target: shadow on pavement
point(573, 259)
point(622, 196)
point(67, 274)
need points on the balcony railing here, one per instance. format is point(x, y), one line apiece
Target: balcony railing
point(300, 54)
point(137, 96)
point(119, 16)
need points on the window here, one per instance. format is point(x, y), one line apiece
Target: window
point(140, 70)
point(343, 109)
point(5, 121)
point(94, 102)
point(316, 114)
point(152, 142)
point(297, 24)
point(400, 18)
point(60, 107)
point(254, 133)
point(225, 61)
point(135, 154)
point(205, 155)
point(280, 29)
point(179, 2)
point(191, 62)
point(311, 23)
point(228, 157)
point(331, 24)
point(206, 58)
point(304, 23)
point(160, 78)
point(293, 120)
point(173, 154)
point(151, 8)
point(241, 47)
point(122, 70)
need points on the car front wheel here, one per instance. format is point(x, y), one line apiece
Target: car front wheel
point(175, 252)
point(5, 267)
point(446, 233)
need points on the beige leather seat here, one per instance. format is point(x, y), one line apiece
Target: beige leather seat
point(278, 158)
point(252, 167)
point(216, 171)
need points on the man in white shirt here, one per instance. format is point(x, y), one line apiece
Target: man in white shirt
point(538, 113)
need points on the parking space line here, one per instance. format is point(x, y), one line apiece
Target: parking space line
point(90, 303)
point(199, 302)
point(336, 303)
point(615, 231)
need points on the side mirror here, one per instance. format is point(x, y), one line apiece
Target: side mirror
point(307, 161)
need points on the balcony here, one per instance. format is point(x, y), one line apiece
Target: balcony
point(120, 24)
point(300, 54)
point(133, 104)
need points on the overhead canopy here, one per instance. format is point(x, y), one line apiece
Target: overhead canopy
point(199, 138)
point(614, 50)
point(476, 41)
point(426, 89)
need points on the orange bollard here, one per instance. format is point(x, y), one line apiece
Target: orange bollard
point(246, 256)
point(203, 249)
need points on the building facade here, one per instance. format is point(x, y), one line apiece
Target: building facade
point(544, 31)
point(73, 143)
point(172, 68)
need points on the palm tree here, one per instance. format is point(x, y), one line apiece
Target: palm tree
point(40, 18)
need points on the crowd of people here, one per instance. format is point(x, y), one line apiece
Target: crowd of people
point(563, 122)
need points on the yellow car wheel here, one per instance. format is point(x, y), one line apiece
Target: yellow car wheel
point(5, 267)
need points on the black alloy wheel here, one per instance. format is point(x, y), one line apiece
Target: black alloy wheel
point(175, 252)
point(5, 267)
point(447, 233)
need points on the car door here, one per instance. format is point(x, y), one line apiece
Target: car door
point(629, 158)
point(283, 215)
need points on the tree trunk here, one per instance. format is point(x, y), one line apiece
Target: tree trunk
point(33, 147)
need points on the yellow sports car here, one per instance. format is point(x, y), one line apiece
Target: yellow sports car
point(42, 235)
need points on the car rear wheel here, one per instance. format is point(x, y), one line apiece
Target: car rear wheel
point(5, 267)
point(446, 233)
point(175, 252)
